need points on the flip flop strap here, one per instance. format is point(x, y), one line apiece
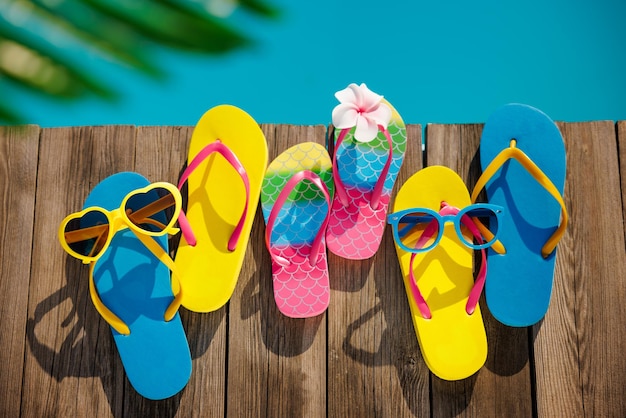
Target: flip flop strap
point(220, 148)
point(280, 202)
point(380, 183)
point(515, 153)
point(113, 320)
point(479, 283)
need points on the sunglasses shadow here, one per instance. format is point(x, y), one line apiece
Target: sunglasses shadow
point(455, 274)
point(68, 338)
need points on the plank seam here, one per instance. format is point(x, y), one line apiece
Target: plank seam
point(327, 143)
point(30, 269)
point(533, 374)
point(620, 168)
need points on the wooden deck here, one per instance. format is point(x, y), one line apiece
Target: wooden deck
point(361, 358)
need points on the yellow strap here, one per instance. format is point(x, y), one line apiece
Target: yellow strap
point(105, 312)
point(164, 257)
point(171, 310)
point(539, 176)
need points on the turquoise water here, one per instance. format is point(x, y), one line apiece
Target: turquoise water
point(438, 61)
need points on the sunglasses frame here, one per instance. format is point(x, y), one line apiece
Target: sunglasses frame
point(119, 220)
point(394, 220)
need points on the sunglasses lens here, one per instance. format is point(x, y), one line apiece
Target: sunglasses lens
point(152, 211)
point(418, 231)
point(87, 235)
point(484, 222)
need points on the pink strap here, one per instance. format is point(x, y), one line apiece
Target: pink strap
point(280, 202)
point(219, 147)
point(380, 183)
point(479, 283)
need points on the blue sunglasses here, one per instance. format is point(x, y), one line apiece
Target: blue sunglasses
point(418, 230)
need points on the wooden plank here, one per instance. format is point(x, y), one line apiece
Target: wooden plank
point(276, 364)
point(579, 348)
point(18, 174)
point(621, 137)
point(374, 367)
point(359, 359)
point(72, 366)
point(161, 156)
point(503, 386)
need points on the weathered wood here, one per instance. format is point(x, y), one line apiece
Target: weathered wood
point(579, 347)
point(502, 388)
point(621, 137)
point(72, 367)
point(161, 156)
point(18, 173)
point(276, 364)
point(361, 358)
point(374, 365)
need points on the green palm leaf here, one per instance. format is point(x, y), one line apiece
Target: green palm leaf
point(106, 34)
point(8, 115)
point(171, 26)
point(119, 29)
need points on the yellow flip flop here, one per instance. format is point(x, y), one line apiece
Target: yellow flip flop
point(225, 168)
point(433, 223)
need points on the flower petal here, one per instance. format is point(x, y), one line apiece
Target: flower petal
point(360, 95)
point(347, 95)
point(366, 129)
point(368, 99)
point(381, 115)
point(345, 115)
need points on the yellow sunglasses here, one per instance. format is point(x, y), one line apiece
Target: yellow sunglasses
point(148, 212)
point(152, 210)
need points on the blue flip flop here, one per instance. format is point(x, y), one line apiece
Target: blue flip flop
point(522, 156)
point(135, 285)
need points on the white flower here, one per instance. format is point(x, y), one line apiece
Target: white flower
point(361, 107)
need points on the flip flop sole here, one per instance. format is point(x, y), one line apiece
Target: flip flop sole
point(453, 343)
point(300, 290)
point(136, 287)
point(216, 199)
point(519, 283)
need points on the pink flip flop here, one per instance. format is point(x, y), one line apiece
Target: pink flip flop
point(369, 148)
point(295, 198)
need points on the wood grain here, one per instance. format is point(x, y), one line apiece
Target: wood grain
point(276, 364)
point(374, 363)
point(360, 358)
point(502, 388)
point(73, 368)
point(161, 156)
point(18, 172)
point(621, 137)
point(579, 347)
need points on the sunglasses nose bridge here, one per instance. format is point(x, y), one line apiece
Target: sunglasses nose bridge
point(447, 219)
point(118, 220)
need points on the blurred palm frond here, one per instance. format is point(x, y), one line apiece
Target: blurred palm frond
point(39, 40)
